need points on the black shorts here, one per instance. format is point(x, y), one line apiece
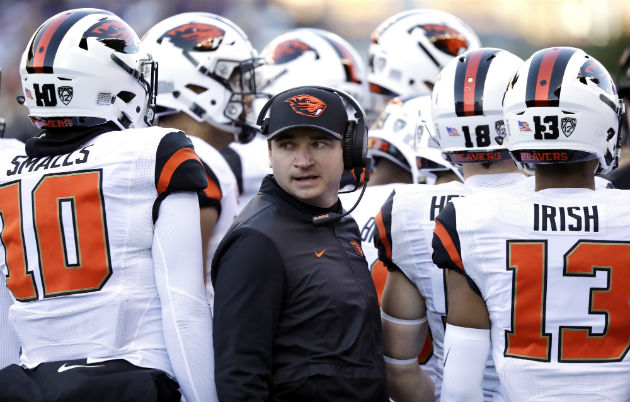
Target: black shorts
point(74, 380)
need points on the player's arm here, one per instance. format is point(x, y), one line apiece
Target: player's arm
point(403, 317)
point(210, 204)
point(178, 266)
point(467, 337)
point(249, 283)
point(186, 316)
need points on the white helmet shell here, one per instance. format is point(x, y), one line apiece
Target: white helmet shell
point(562, 106)
point(309, 56)
point(467, 105)
point(403, 134)
point(206, 70)
point(85, 67)
point(409, 49)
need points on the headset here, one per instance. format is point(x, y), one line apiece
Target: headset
point(354, 144)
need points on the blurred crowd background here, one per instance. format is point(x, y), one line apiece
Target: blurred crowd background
point(600, 27)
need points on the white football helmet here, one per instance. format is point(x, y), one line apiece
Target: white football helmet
point(562, 106)
point(403, 135)
point(409, 49)
point(206, 71)
point(467, 105)
point(309, 56)
point(85, 67)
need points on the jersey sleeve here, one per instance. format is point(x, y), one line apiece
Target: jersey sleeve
point(177, 166)
point(383, 233)
point(446, 246)
point(211, 196)
point(236, 165)
point(186, 315)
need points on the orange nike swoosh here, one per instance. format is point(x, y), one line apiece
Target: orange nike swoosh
point(320, 253)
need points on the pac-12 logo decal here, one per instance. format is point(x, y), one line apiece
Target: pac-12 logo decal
point(499, 126)
point(306, 105)
point(289, 50)
point(65, 94)
point(197, 37)
point(567, 124)
point(114, 34)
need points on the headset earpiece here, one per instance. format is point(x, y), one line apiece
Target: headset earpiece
point(262, 120)
point(348, 145)
point(264, 127)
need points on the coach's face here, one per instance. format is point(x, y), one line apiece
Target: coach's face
point(307, 163)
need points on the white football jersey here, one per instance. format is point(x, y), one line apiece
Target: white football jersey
point(10, 143)
point(88, 289)
point(552, 267)
point(9, 348)
point(221, 193)
point(250, 164)
point(365, 213)
point(405, 231)
point(600, 182)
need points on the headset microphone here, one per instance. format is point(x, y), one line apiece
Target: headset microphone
point(332, 216)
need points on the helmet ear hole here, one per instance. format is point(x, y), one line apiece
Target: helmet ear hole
point(126, 96)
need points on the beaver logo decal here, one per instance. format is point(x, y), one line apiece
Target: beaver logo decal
point(445, 38)
point(196, 37)
point(307, 105)
point(114, 34)
point(289, 50)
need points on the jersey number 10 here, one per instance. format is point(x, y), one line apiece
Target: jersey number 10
point(63, 206)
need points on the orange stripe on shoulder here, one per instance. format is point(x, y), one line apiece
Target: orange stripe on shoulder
point(382, 234)
point(448, 244)
point(213, 190)
point(182, 155)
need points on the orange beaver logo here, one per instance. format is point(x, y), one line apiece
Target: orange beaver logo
point(306, 105)
point(357, 248)
point(114, 34)
point(197, 37)
point(597, 73)
point(446, 39)
point(289, 50)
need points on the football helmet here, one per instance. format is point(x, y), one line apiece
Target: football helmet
point(562, 106)
point(206, 71)
point(85, 67)
point(403, 135)
point(309, 56)
point(409, 49)
point(467, 105)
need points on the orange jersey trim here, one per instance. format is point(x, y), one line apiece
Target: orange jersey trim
point(179, 157)
point(382, 234)
point(448, 244)
point(213, 190)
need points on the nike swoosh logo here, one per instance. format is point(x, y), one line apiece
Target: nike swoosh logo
point(64, 367)
point(320, 253)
